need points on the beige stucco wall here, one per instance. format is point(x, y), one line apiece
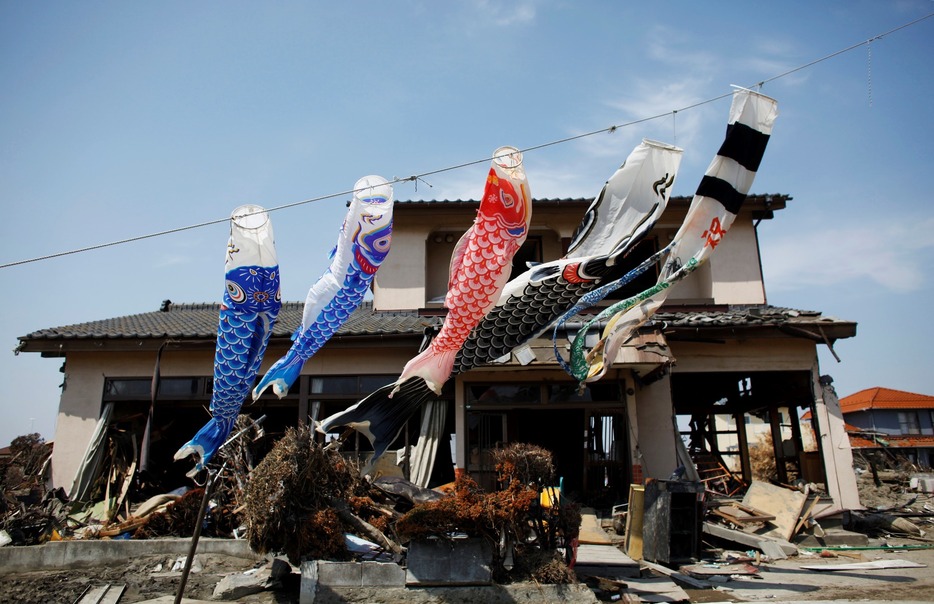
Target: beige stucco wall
point(417, 266)
point(654, 435)
point(765, 354)
point(80, 405)
point(735, 274)
point(400, 282)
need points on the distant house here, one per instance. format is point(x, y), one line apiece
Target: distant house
point(715, 348)
point(900, 422)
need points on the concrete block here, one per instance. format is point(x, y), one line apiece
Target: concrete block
point(309, 585)
point(442, 562)
point(382, 574)
point(340, 574)
point(234, 586)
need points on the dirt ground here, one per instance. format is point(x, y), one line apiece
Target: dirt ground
point(146, 578)
point(783, 580)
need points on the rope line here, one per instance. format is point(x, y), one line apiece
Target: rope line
point(420, 176)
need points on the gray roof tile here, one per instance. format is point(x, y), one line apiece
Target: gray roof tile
point(199, 321)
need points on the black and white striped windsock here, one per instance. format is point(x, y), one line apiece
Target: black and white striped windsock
point(716, 203)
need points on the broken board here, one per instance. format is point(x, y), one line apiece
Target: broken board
point(590, 530)
point(740, 514)
point(785, 504)
point(702, 571)
point(874, 565)
point(634, 520)
point(102, 594)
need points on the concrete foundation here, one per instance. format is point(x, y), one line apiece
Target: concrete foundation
point(441, 562)
point(90, 553)
point(321, 578)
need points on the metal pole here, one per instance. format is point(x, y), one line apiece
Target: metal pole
point(208, 487)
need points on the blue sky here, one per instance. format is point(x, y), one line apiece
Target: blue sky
point(124, 119)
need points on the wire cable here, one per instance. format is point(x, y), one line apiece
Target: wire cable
point(416, 177)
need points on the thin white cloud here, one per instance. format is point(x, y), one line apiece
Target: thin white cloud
point(505, 14)
point(889, 256)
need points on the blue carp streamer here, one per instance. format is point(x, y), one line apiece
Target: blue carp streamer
point(251, 304)
point(362, 246)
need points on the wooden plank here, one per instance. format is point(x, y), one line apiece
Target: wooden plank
point(709, 570)
point(602, 555)
point(677, 576)
point(805, 515)
point(93, 595)
point(785, 504)
point(590, 530)
point(656, 589)
point(749, 539)
point(633, 537)
point(874, 565)
point(114, 593)
point(738, 513)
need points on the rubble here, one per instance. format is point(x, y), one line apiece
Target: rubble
point(29, 513)
point(305, 502)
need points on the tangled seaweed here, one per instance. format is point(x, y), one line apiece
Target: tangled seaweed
point(512, 518)
point(290, 499)
point(469, 510)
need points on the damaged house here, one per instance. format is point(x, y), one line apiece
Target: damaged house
point(893, 422)
point(716, 359)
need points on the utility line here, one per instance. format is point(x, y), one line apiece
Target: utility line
point(417, 177)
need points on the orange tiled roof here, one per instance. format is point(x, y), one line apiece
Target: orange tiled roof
point(885, 398)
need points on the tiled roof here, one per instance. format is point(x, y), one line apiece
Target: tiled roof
point(745, 315)
point(885, 398)
point(475, 202)
point(199, 321)
point(768, 201)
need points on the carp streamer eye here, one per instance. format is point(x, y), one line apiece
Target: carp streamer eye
point(382, 244)
point(507, 199)
point(235, 292)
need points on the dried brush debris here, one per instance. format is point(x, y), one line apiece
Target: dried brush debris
point(179, 517)
point(470, 510)
point(177, 520)
point(294, 499)
point(529, 464)
point(512, 515)
point(535, 564)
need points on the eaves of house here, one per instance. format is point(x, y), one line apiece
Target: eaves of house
point(196, 325)
point(761, 206)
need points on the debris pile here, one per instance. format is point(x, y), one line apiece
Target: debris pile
point(893, 491)
point(29, 513)
point(295, 497)
point(309, 502)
